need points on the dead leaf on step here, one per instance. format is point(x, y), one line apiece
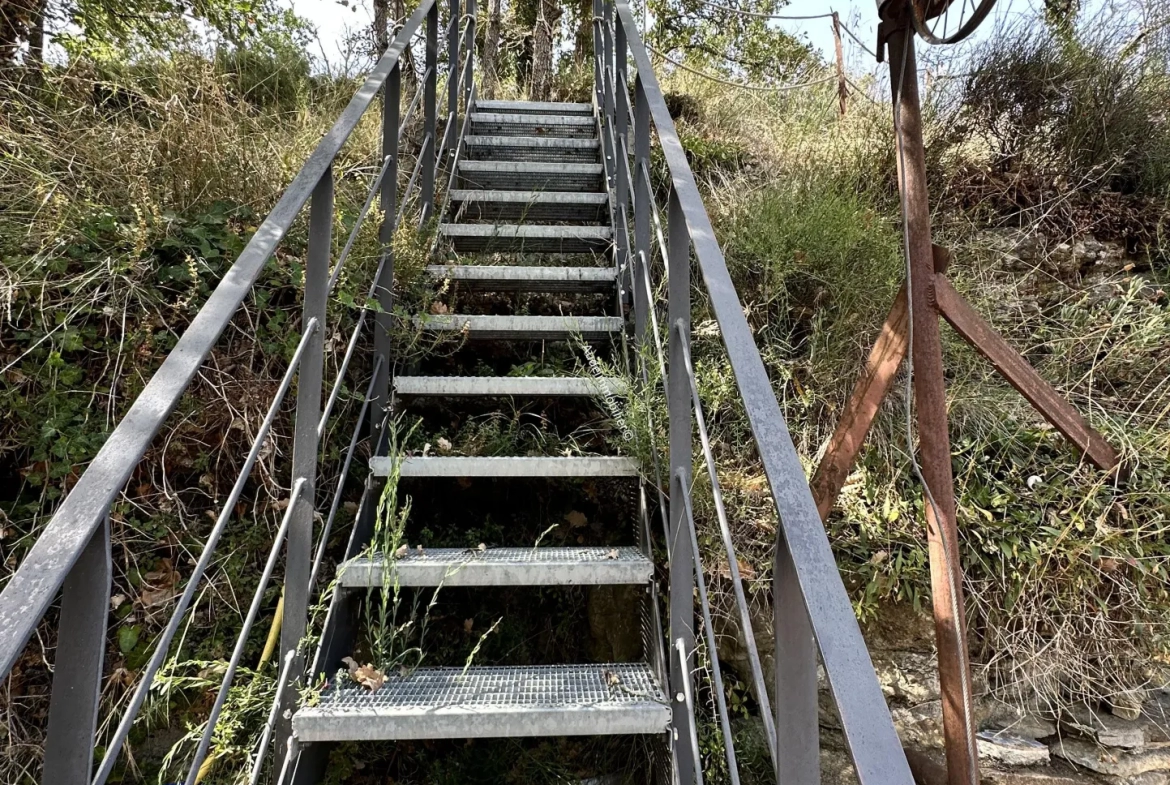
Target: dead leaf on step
point(611, 678)
point(402, 551)
point(439, 308)
point(481, 548)
point(612, 554)
point(444, 445)
point(576, 519)
point(419, 548)
point(366, 675)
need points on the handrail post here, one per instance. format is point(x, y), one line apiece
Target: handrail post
point(798, 756)
point(299, 557)
point(469, 45)
point(453, 79)
point(621, 119)
point(607, 82)
point(682, 575)
point(598, 53)
point(384, 287)
point(77, 674)
point(641, 211)
point(430, 122)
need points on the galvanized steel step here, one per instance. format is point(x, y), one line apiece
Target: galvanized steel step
point(527, 238)
point(508, 466)
point(530, 176)
point(453, 567)
point(519, 124)
point(525, 278)
point(501, 386)
point(523, 328)
point(491, 702)
point(535, 107)
point(532, 148)
point(530, 206)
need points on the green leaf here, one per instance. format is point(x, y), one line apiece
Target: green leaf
point(128, 638)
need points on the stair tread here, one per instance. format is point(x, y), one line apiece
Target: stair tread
point(526, 278)
point(528, 566)
point(500, 140)
point(520, 118)
point(536, 386)
point(522, 327)
point(547, 107)
point(524, 230)
point(530, 166)
point(492, 701)
point(526, 197)
point(509, 466)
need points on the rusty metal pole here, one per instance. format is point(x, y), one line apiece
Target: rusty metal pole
point(930, 399)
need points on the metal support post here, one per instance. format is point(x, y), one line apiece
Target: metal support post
point(299, 557)
point(798, 756)
point(384, 288)
point(77, 672)
point(469, 45)
point(641, 212)
point(427, 153)
point(598, 55)
point(607, 83)
point(454, 33)
point(621, 122)
point(946, 577)
point(682, 575)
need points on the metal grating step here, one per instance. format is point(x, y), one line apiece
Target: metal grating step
point(525, 176)
point(491, 702)
point(524, 278)
point(532, 148)
point(516, 124)
point(452, 567)
point(530, 206)
point(509, 466)
point(535, 107)
point(523, 328)
point(522, 238)
point(535, 386)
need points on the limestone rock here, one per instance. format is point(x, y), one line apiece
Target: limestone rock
point(1117, 763)
point(1105, 729)
point(1011, 750)
point(907, 676)
point(1018, 721)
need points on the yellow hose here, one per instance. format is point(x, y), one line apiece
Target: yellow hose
point(273, 634)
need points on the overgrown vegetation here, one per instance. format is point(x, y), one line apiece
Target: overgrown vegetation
point(129, 184)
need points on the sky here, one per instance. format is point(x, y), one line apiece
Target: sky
point(860, 16)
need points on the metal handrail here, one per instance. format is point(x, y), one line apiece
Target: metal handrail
point(812, 608)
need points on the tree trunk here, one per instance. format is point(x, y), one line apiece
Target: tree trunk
point(491, 51)
point(35, 60)
point(540, 82)
point(381, 27)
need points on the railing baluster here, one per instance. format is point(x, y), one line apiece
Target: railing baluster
point(430, 122)
point(607, 83)
point(641, 212)
point(298, 559)
point(454, 34)
point(384, 286)
point(469, 45)
point(77, 676)
point(621, 118)
point(682, 576)
point(798, 758)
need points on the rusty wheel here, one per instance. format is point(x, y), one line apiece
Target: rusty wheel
point(948, 21)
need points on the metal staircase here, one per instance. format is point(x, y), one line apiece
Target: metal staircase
point(530, 207)
point(563, 193)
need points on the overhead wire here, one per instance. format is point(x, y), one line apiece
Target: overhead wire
point(740, 85)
